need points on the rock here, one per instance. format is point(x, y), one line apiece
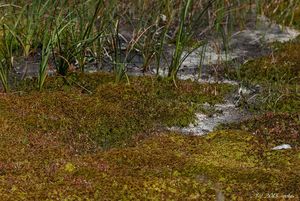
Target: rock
point(283, 146)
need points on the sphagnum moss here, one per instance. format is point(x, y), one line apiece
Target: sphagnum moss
point(85, 137)
point(50, 147)
point(278, 76)
point(92, 109)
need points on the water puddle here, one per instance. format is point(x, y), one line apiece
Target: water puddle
point(224, 113)
point(246, 44)
point(242, 45)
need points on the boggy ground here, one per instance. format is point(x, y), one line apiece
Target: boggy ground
point(85, 138)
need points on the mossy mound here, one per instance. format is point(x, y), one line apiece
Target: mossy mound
point(278, 76)
point(90, 111)
point(282, 66)
point(86, 138)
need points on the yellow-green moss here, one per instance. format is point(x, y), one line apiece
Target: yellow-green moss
point(278, 75)
point(63, 144)
point(272, 129)
point(282, 66)
point(90, 111)
point(161, 167)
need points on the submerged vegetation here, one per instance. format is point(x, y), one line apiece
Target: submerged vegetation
point(68, 134)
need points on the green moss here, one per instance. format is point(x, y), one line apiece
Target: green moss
point(91, 112)
point(272, 129)
point(161, 167)
point(282, 66)
point(278, 75)
point(66, 144)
